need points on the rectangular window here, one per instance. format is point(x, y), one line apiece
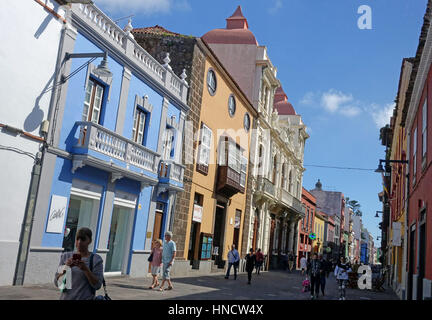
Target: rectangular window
point(424, 128)
point(414, 153)
point(244, 162)
point(168, 141)
point(139, 126)
point(204, 149)
point(93, 102)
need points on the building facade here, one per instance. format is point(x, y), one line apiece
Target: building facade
point(306, 226)
point(279, 139)
point(21, 117)
point(112, 161)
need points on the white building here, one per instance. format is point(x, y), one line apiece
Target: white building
point(29, 47)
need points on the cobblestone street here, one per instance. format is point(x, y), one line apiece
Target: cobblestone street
point(274, 285)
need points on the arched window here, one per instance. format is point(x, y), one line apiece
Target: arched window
point(274, 169)
point(283, 177)
point(290, 181)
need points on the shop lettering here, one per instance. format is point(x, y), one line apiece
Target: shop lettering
point(185, 310)
point(57, 214)
point(237, 309)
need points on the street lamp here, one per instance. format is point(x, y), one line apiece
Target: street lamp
point(376, 215)
point(101, 70)
point(380, 168)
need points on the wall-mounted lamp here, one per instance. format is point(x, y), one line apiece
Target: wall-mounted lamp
point(376, 215)
point(101, 70)
point(380, 168)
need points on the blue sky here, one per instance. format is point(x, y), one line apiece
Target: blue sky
point(340, 79)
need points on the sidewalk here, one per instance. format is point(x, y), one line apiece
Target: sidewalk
point(272, 285)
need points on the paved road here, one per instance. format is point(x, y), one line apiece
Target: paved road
point(273, 285)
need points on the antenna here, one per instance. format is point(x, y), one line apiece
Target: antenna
point(123, 18)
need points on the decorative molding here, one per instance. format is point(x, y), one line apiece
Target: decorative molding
point(76, 164)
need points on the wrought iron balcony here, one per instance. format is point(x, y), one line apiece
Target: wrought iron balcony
point(106, 145)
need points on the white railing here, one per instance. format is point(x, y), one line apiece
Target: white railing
point(97, 138)
point(126, 45)
point(171, 170)
point(266, 186)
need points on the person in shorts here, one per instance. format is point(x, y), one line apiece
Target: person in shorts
point(168, 255)
point(156, 262)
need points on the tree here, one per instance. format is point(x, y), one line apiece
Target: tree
point(354, 205)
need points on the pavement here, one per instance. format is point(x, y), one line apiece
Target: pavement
point(271, 285)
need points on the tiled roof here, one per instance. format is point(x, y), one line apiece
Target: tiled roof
point(236, 32)
point(156, 30)
point(281, 103)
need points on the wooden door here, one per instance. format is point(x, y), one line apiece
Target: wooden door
point(156, 229)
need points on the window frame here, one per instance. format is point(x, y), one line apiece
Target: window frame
point(88, 115)
point(424, 127)
point(233, 99)
point(210, 89)
point(202, 167)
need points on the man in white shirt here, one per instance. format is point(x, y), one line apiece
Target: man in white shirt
point(233, 260)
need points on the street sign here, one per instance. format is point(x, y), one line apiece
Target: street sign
point(312, 236)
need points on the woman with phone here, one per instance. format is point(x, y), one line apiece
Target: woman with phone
point(85, 282)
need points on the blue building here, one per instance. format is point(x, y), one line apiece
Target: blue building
point(112, 161)
point(364, 256)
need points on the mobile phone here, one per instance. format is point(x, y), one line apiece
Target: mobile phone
point(76, 256)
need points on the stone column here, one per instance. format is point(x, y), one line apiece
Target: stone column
point(291, 235)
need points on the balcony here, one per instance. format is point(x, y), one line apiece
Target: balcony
point(228, 181)
point(109, 151)
point(291, 202)
point(171, 173)
point(266, 187)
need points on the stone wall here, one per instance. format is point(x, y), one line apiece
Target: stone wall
point(184, 54)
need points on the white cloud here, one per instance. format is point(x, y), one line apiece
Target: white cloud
point(139, 7)
point(276, 7)
point(350, 111)
point(308, 99)
point(382, 114)
point(333, 100)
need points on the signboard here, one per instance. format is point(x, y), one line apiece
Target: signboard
point(396, 241)
point(328, 249)
point(197, 213)
point(312, 236)
point(57, 214)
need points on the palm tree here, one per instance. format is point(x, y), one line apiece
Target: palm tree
point(354, 205)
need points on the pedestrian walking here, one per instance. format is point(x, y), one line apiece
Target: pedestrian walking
point(83, 282)
point(341, 273)
point(250, 264)
point(290, 261)
point(324, 267)
point(156, 262)
point(233, 261)
point(259, 261)
point(303, 265)
point(168, 255)
point(314, 273)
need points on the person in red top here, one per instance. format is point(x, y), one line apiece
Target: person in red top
point(259, 261)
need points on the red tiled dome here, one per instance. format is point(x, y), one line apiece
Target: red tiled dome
point(281, 103)
point(236, 31)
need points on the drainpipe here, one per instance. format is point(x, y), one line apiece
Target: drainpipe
point(27, 223)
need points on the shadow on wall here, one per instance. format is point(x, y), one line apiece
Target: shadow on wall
point(46, 21)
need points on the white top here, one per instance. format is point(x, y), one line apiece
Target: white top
point(341, 273)
point(303, 263)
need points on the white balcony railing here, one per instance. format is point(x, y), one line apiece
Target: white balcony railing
point(107, 29)
point(97, 138)
point(290, 201)
point(171, 170)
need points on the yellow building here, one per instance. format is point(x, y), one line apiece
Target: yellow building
point(318, 229)
point(398, 147)
point(218, 190)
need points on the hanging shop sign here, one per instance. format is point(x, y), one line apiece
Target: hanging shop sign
point(197, 213)
point(312, 236)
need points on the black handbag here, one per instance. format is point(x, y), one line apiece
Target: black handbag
point(99, 297)
point(150, 259)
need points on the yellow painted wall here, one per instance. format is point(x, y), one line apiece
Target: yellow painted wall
point(318, 229)
point(215, 115)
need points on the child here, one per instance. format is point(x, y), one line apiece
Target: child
point(306, 285)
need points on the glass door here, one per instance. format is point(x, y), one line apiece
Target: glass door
point(118, 238)
point(81, 213)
